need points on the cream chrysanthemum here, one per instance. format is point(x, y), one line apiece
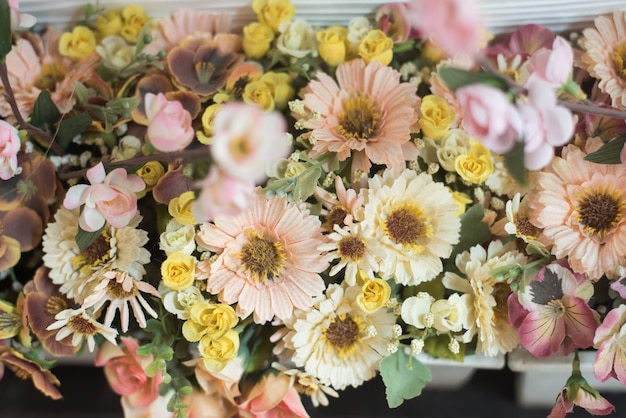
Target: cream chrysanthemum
point(412, 224)
point(267, 262)
point(581, 207)
point(81, 326)
point(488, 320)
point(78, 272)
point(339, 343)
point(605, 54)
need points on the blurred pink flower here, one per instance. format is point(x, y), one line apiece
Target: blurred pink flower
point(552, 315)
point(110, 198)
point(19, 19)
point(454, 25)
point(273, 397)
point(489, 116)
point(247, 140)
point(553, 66)
point(169, 124)
point(524, 41)
point(222, 195)
point(9, 146)
point(609, 341)
point(393, 19)
point(124, 370)
point(580, 394)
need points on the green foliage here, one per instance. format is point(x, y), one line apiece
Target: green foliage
point(45, 112)
point(514, 163)
point(437, 346)
point(84, 239)
point(5, 29)
point(71, 127)
point(404, 377)
point(473, 230)
point(608, 153)
point(455, 78)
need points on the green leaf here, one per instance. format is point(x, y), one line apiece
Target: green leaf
point(404, 377)
point(608, 153)
point(455, 78)
point(71, 127)
point(152, 369)
point(84, 239)
point(5, 29)
point(473, 230)
point(306, 183)
point(45, 112)
point(437, 346)
point(514, 163)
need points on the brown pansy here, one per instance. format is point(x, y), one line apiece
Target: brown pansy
point(23, 368)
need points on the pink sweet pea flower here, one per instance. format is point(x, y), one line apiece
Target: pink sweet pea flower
point(489, 116)
point(169, 124)
point(609, 340)
point(545, 124)
point(110, 198)
point(552, 315)
point(124, 370)
point(553, 66)
point(247, 140)
point(578, 392)
point(454, 25)
point(9, 146)
point(273, 397)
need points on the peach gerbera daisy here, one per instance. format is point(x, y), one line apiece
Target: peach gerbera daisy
point(367, 114)
point(581, 207)
point(267, 261)
point(605, 54)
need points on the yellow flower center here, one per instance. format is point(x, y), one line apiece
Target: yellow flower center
point(97, 253)
point(55, 304)
point(50, 75)
point(407, 225)
point(343, 334)
point(26, 189)
point(351, 248)
point(599, 210)
point(262, 258)
point(82, 326)
point(619, 58)
point(360, 118)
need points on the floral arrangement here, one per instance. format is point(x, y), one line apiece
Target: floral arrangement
point(234, 221)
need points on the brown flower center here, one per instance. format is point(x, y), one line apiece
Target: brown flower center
point(55, 304)
point(50, 75)
point(343, 334)
point(599, 211)
point(337, 215)
point(619, 59)
point(97, 253)
point(407, 225)
point(116, 291)
point(501, 292)
point(262, 258)
point(524, 227)
point(352, 248)
point(82, 326)
point(360, 119)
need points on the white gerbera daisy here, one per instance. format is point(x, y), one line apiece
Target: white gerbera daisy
point(412, 224)
point(81, 325)
point(488, 316)
point(79, 271)
point(337, 342)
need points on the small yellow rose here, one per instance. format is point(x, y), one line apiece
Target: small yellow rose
point(216, 354)
point(257, 39)
point(216, 319)
point(108, 24)
point(259, 93)
point(273, 12)
point(294, 169)
point(476, 166)
point(134, 17)
point(374, 295)
point(281, 87)
point(78, 44)
point(180, 208)
point(436, 116)
point(332, 44)
point(376, 46)
point(178, 271)
point(150, 173)
point(204, 136)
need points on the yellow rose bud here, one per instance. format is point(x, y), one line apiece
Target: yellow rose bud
point(260, 94)
point(282, 90)
point(294, 169)
point(436, 116)
point(332, 45)
point(178, 271)
point(216, 319)
point(135, 17)
point(376, 46)
point(108, 24)
point(374, 294)
point(257, 39)
point(462, 200)
point(204, 136)
point(476, 166)
point(150, 173)
point(180, 208)
point(79, 44)
point(216, 354)
point(193, 331)
point(273, 12)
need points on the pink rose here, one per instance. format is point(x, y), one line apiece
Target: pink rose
point(553, 66)
point(110, 198)
point(124, 370)
point(222, 195)
point(273, 397)
point(489, 116)
point(454, 25)
point(9, 146)
point(169, 124)
point(247, 140)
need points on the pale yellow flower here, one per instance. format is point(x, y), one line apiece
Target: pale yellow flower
point(436, 116)
point(205, 136)
point(180, 208)
point(332, 44)
point(178, 271)
point(216, 354)
point(150, 173)
point(259, 93)
point(476, 166)
point(376, 46)
point(273, 12)
point(374, 295)
point(462, 200)
point(209, 319)
point(135, 17)
point(109, 23)
point(78, 44)
point(257, 39)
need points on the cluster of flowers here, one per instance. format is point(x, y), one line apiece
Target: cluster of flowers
point(232, 220)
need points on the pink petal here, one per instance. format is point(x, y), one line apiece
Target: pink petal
point(96, 174)
point(542, 333)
